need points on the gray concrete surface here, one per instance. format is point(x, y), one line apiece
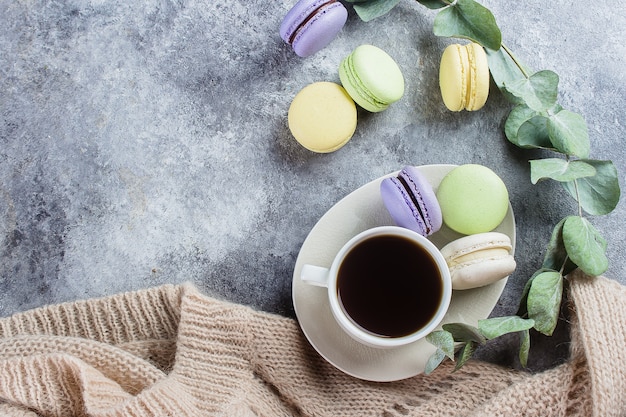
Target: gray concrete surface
point(144, 143)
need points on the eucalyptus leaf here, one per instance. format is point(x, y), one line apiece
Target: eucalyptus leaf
point(465, 354)
point(554, 109)
point(516, 118)
point(464, 333)
point(498, 326)
point(522, 309)
point(544, 301)
point(524, 347)
point(523, 306)
point(434, 4)
point(533, 133)
point(468, 20)
point(372, 9)
point(443, 340)
point(539, 91)
point(599, 194)
point(434, 361)
point(504, 71)
point(584, 245)
point(559, 170)
point(556, 256)
point(568, 133)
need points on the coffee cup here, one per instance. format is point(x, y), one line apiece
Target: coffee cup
point(387, 286)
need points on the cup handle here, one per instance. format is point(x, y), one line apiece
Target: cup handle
point(315, 275)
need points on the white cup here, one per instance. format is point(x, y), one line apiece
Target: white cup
point(399, 273)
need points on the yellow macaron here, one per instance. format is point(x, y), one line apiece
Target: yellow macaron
point(322, 117)
point(464, 77)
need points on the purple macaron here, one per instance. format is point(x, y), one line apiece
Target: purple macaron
point(310, 25)
point(411, 201)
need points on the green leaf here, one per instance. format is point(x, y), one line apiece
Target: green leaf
point(504, 71)
point(524, 347)
point(556, 255)
point(468, 20)
point(433, 4)
point(599, 194)
point(559, 170)
point(519, 115)
point(539, 91)
point(443, 340)
point(523, 305)
point(434, 361)
point(568, 133)
point(584, 245)
point(544, 300)
point(465, 354)
point(369, 10)
point(498, 326)
point(464, 333)
point(533, 133)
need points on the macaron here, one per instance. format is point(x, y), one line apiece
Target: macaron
point(372, 78)
point(322, 117)
point(464, 77)
point(411, 201)
point(479, 260)
point(310, 25)
point(473, 199)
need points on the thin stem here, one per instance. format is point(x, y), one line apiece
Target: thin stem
point(580, 209)
point(517, 63)
point(563, 265)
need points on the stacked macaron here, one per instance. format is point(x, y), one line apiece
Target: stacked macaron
point(472, 200)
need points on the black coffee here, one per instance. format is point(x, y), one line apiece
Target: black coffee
point(389, 286)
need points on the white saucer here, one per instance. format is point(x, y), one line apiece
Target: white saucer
point(360, 210)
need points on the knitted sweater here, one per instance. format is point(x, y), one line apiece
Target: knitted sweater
point(171, 351)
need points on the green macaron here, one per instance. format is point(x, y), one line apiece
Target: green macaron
point(473, 199)
point(372, 78)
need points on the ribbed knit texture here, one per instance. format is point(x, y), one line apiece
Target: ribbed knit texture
point(171, 351)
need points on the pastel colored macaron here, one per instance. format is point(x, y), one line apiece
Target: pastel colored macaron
point(311, 25)
point(464, 77)
point(411, 201)
point(372, 78)
point(479, 260)
point(473, 199)
point(322, 117)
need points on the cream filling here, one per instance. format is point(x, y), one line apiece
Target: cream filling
point(472, 257)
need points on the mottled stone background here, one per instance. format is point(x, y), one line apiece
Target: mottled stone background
point(146, 142)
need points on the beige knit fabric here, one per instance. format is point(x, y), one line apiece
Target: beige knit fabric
point(171, 351)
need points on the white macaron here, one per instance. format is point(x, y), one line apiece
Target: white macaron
point(478, 260)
